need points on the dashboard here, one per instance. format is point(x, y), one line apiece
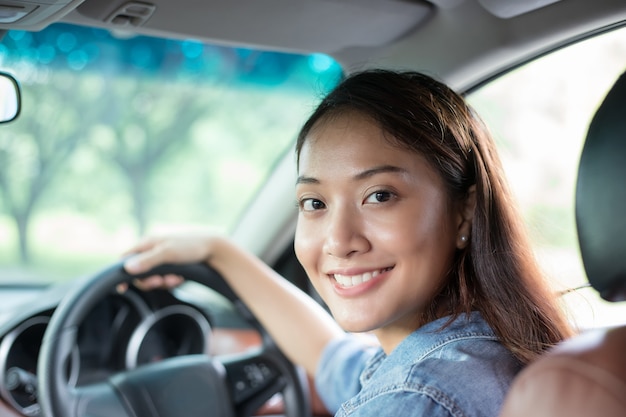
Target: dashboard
point(123, 331)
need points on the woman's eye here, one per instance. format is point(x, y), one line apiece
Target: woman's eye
point(379, 197)
point(311, 204)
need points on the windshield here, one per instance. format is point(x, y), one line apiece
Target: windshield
point(122, 136)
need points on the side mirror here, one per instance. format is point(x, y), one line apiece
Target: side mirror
point(10, 98)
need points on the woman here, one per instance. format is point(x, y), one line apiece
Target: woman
point(407, 230)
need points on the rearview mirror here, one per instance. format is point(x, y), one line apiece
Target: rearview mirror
point(9, 98)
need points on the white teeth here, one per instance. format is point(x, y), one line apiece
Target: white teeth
point(353, 280)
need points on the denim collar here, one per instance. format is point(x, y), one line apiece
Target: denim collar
point(427, 339)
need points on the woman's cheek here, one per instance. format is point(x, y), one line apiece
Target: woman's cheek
point(305, 244)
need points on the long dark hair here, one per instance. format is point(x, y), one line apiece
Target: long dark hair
point(497, 273)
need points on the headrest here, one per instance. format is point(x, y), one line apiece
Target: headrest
point(601, 196)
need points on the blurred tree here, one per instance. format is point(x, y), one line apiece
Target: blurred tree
point(30, 158)
point(146, 124)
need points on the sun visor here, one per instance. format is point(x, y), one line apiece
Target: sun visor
point(300, 26)
point(33, 15)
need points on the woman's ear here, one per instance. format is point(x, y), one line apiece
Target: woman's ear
point(466, 217)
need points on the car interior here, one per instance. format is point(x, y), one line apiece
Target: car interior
point(586, 375)
point(125, 118)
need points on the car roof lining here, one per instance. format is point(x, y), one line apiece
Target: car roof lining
point(436, 36)
point(462, 42)
point(467, 53)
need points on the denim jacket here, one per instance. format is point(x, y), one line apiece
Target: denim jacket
point(462, 370)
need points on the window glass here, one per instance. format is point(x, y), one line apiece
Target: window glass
point(122, 136)
point(539, 115)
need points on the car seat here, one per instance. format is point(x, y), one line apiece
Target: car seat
point(586, 375)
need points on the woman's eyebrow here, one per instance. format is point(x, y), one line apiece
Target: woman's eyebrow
point(379, 170)
point(360, 176)
point(306, 180)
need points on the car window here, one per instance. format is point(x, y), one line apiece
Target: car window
point(122, 136)
point(539, 114)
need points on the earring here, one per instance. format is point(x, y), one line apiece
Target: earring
point(463, 238)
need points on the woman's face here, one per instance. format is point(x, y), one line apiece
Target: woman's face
point(376, 232)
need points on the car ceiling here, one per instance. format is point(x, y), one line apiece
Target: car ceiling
point(464, 42)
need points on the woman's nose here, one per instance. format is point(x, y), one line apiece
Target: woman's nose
point(345, 234)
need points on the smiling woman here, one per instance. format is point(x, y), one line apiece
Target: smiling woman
point(112, 123)
point(405, 229)
point(155, 117)
point(360, 194)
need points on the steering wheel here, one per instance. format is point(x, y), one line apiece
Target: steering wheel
point(192, 385)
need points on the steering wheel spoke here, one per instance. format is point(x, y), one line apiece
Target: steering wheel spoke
point(253, 378)
point(190, 385)
point(99, 399)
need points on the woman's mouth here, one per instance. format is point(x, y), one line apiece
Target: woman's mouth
point(347, 281)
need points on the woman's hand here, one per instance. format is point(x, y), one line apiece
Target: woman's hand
point(267, 294)
point(154, 251)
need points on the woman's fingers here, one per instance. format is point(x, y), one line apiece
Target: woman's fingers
point(154, 251)
point(172, 281)
point(149, 283)
point(148, 254)
point(138, 263)
point(157, 281)
point(153, 282)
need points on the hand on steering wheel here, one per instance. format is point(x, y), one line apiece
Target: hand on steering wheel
point(193, 386)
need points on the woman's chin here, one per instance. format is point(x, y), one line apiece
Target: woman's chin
point(352, 325)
